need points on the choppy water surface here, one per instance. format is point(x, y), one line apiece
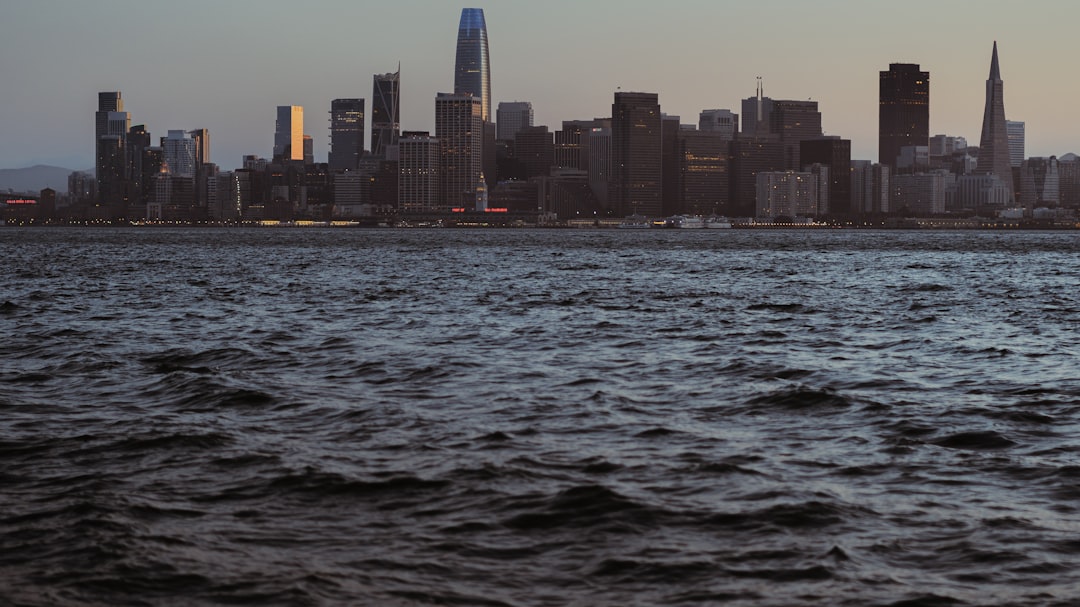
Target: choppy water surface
point(480, 417)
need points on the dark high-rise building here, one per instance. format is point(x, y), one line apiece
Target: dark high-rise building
point(460, 131)
point(636, 154)
point(385, 112)
point(669, 164)
point(201, 137)
point(994, 143)
point(834, 153)
point(289, 133)
point(472, 67)
point(511, 117)
point(111, 125)
point(903, 110)
point(703, 172)
point(534, 147)
point(750, 156)
point(138, 140)
point(794, 122)
point(755, 113)
point(418, 175)
point(346, 134)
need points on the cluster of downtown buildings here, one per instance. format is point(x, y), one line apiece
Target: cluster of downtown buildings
point(484, 166)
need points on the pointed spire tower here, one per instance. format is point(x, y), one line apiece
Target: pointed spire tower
point(994, 143)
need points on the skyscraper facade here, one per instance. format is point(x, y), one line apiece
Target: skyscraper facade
point(511, 117)
point(346, 134)
point(755, 113)
point(418, 177)
point(289, 133)
point(535, 149)
point(201, 137)
point(994, 142)
point(472, 67)
point(724, 122)
point(1015, 131)
point(460, 131)
point(903, 110)
point(179, 153)
point(111, 125)
point(636, 154)
point(794, 121)
point(835, 153)
point(385, 112)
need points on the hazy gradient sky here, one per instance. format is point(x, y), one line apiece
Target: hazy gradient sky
point(226, 65)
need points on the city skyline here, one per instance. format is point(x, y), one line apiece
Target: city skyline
point(837, 65)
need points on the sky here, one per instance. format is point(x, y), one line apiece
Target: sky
point(225, 66)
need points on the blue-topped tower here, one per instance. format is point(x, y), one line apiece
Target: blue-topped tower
point(472, 70)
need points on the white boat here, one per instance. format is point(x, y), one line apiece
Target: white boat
point(686, 222)
point(718, 223)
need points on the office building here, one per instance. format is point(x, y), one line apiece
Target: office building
point(786, 194)
point(111, 126)
point(703, 172)
point(793, 122)
point(385, 113)
point(1039, 183)
point(921, 194)
point(835, 153)
point(472, 69)
point(724, 122)
point(1014, 129)
point(179, 153)
point(459, 127)
point(750, 156)
point(756, 112)
point(418, 173)
point(994, 141)
point(945, 145)
point(346, 134)
point(600, 158)
point(511, 117)
point(636, 154)
point(869, 187)
point(201, 137)
point(903, 110)
point(289, 133)
point(535, 149)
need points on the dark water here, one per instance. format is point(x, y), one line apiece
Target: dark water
point(445, 417)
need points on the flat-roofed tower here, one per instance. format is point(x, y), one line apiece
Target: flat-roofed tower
point(903, 110)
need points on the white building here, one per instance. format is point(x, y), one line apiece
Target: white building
point(786, 194)
point(921, 194)
point(1014, 129)
point(980, 193)
point(179, 153)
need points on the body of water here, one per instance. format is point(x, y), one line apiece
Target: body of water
point(530, 417)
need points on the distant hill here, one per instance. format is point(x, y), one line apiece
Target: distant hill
point(34, 179)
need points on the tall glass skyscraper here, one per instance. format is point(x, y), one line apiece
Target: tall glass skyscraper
point(289, 133)
point(903, 110)
point(385, 112)
point(346, 134)
point(472, 68)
